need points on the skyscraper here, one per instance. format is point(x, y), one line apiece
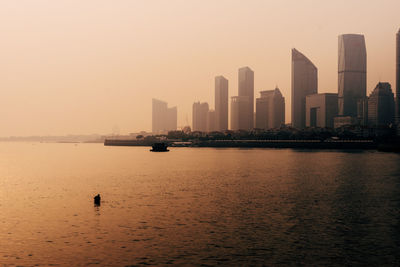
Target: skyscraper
point(239, 113)
point(381, 105)
point(246, 89)
point(270, 109)
point(199, 116)
point(304, 82)
point(221, 103)
point(164, 119)
point(352, 73)
point(398, 77)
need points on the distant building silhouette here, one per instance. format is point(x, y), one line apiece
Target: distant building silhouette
point(398, 77)
point(381, 105)
point(304, 82)
point(211, 122)
point(221, 103)
point(239, 113)
point(164, 119)
point(270, 109)
point(352, 73)
point(321, 109)
point(246, 89)
point(199, 116)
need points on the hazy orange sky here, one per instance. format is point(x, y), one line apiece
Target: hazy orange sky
point(80, 67)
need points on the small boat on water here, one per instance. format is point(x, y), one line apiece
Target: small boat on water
point(159, 147)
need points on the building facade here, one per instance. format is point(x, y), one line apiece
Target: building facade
point(199, 116)
point(239, 113)
point(270, 109)
point(221, 103)
point(164, 119)
point(381, 106)
point(211, 121)
point(246, 89)
point(304, 82)
point(321, 109)
point(352, 73)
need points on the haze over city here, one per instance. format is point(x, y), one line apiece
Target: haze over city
point(73, 67)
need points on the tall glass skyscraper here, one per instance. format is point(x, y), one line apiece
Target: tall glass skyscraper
point(246, 89)
point(221, 103)
point(304, 82)
point(352, 73)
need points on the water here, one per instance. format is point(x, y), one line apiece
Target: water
point(197, 206)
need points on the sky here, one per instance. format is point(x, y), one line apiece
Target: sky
point(93, 66)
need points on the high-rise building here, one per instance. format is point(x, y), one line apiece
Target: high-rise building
point(352, 73)
point(246, 89)
point(164, 119)
point(270, 109)
point(200, 112)
point(381, 105)
point(221, 103)
point(321, 109)
point(398, 77)
point(211, 122)
point(304, 82)
point(239, 113)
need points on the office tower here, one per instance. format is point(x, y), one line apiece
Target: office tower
point(246, 89)
point(270, 109)
point(381, 105)
point(352, 73)
point(239, 113)
point(321, 109)
point(221, 103)
point(164, 119)
point(211, 122)
point(398, 77)
point(200, 111)
point(304, 82)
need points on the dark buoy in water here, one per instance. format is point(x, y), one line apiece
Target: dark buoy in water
point(97, 200)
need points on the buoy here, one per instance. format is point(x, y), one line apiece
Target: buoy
point(97, 200)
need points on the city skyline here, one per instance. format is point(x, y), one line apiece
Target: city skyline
point(90, 74)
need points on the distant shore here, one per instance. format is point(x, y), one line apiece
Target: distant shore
point(302, 144)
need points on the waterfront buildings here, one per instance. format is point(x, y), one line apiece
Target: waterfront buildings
point(199, 119)
point(239, 113)
point(381, 105)
point(270, 109)
point(321, 109)
point(164, 119)
point(246, 89)
point(352, 73)
point(221, 103)
point(304, 82)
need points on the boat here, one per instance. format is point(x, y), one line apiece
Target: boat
point(159, 147)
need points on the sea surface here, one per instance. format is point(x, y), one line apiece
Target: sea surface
point(197, 206)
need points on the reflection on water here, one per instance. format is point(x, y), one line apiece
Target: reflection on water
point(197, 206)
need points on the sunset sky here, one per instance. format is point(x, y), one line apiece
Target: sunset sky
point(81, 67)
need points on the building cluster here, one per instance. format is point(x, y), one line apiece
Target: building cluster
point(270, 107)
point(349, 106)
point(164, 119)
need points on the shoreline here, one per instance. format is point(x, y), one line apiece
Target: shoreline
point(301, 144)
